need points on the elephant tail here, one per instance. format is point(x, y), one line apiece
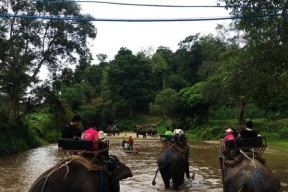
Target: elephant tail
point(154, 182)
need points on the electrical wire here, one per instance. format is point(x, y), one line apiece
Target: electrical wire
point(145, 5)
point(139, 20)
point(128, 4)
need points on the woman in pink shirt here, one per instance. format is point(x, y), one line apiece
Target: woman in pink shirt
point(229, 134)
point(91, 134)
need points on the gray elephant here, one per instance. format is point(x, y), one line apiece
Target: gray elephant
point(77, 174)
point(173, 164)
point(250, 176)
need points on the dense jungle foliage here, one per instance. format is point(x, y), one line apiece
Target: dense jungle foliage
point(209, 83)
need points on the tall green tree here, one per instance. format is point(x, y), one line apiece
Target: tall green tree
point(188, 59)
point(160, 68)
point(165, 103)
point(126, 81)
point(77, 95)
point(193, 104)
point(28, 44)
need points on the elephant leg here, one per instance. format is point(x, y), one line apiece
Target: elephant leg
point(222, 168)
point(178, 180)
point(187, 164)
point(187, 171)
point(166, 176)
point(115, 187)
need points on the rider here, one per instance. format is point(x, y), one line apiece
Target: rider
point(91, 134)
point(180, 136)
point(178, 130)
point(168, 131)
point(72, 130)
point(248, 131)
point(229, 136)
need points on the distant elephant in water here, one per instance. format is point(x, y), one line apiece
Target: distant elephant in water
point(249, 177)
point(141, 132)
point(173, 163)
point(77, 174)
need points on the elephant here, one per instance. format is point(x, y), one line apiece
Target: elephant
point(152, 132)
point(249, 176)
point(173, 163)
point(141, 132)
point(78, 174)
point(113, 130)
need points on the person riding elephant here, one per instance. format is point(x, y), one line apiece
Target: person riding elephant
point(172, 163)
point(75, 174)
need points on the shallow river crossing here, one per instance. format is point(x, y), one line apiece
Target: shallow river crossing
point(19, 171)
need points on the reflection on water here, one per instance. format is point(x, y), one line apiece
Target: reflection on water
point(18, 172)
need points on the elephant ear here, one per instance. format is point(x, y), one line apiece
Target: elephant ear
point(122, 172)
point(119, 170)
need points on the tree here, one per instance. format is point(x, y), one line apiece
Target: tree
point(212, 48)
point(165, 103)
point(188, 60)
point(160, 67)
point(192, 103)
point(102, 57)
point(266, 47)
point(77, 95)
point(126, 81)
point(28, 44)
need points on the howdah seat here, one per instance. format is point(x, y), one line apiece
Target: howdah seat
point(67, 146)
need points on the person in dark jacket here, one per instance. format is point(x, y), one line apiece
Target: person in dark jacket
point(72, 130)
point(248, 131)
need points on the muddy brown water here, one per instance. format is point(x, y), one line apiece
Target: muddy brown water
point(19, 171)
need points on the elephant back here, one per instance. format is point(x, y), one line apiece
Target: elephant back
point(236, 159)
point(179, 147)
point(171, 153)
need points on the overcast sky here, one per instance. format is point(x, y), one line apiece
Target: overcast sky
point(111, 36)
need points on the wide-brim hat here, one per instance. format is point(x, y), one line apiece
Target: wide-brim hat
point(101, 134)
point(229, 130)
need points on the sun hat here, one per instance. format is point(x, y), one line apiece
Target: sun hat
point(229, 130)
point(101, 135)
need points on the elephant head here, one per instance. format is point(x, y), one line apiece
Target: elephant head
point(118, 170)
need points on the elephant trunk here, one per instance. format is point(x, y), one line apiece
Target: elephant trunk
point(154, 182)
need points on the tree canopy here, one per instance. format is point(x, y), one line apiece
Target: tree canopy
point(29, 44)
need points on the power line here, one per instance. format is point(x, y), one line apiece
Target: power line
point(131, 4)
point(139, 20)
point(151, 5)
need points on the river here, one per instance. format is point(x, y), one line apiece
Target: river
point(19, 171)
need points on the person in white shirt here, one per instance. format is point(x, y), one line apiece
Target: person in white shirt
point(178, 130)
